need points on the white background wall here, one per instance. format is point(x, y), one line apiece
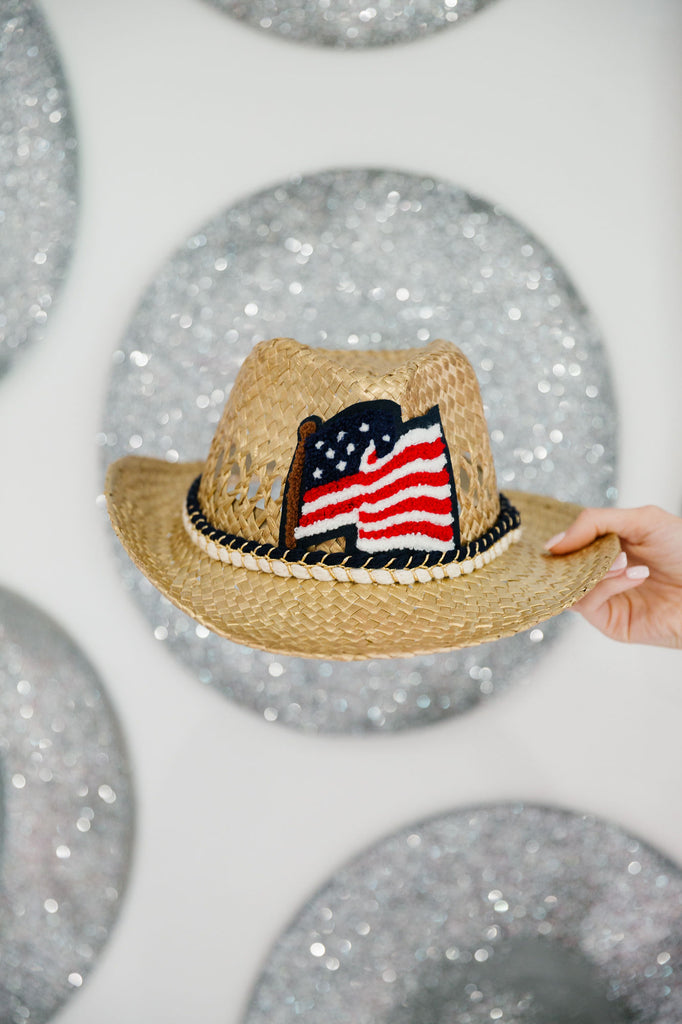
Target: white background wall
point(568, 114)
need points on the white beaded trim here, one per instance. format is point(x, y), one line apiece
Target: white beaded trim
point(340, 573)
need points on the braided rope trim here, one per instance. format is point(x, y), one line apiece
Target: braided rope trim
point(404, 567)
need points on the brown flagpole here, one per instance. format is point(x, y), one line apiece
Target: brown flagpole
point(292, 509)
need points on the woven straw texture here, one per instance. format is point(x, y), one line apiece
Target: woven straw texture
point(282, 382)
point(347, 621)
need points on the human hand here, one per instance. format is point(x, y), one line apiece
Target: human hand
point(640, 598)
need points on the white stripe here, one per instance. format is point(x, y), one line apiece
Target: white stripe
point(356, 490)
point(417, 542)
point(418, 435)
point(437, 518)
point(324, 525)
point(417, 491)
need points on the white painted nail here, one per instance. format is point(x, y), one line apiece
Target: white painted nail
point(554, 540)
point(637, 572)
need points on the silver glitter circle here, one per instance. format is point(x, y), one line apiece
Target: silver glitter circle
point(365, 258)
point(516, 914)
point(39, 177)
point(66, 814)
point(351, 23)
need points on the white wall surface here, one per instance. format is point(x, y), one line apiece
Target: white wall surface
point(568, 114)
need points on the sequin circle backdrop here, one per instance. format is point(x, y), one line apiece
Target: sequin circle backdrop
point(351, 23)
point(516, 914)
point(67, 813)
point(39, 177)
point(363, 258)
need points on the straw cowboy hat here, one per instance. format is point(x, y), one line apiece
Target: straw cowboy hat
point(348, 509)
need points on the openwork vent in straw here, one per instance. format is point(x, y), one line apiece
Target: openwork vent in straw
point(335, 482)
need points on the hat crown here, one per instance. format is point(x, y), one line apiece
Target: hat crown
point(282, 382)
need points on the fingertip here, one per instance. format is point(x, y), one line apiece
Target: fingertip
point(568, 540)
point(637, 572)
point(553, 541)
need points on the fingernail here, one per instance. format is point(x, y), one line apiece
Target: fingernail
point(637, 572)
point(619, 563)
point(554, 540)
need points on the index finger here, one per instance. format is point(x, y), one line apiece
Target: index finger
point(632, 526)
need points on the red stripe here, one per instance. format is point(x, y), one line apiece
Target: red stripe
point(400, 529)
point(423, 503)
point(336, 485)
point(421, 478)
point(417, 450)
point(329, 512)
point(428, 450)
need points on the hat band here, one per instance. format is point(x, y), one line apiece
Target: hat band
point(391, 567)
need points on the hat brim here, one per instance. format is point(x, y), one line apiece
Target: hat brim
point(347, 621)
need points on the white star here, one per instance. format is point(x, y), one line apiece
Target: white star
point(350, 448)
point(317, 473)
point(330, 453)
point(364, 427)
point(340, 436)
point(318, 444)
point(386, 438)
point(341, 466)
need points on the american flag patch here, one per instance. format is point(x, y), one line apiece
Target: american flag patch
point(384, 485)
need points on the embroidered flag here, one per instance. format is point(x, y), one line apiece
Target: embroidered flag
point(383, 484)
